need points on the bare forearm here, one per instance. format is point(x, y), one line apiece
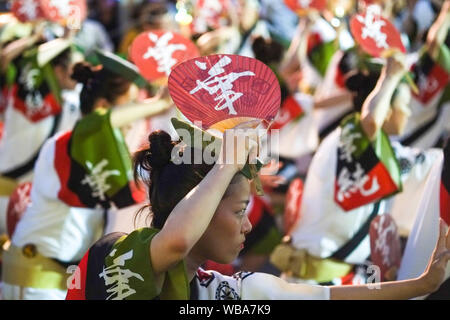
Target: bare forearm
point(377, 104)
point(292, 58)
point(334, 100)
point(13, 50)
point(394, 290)
point(125, 114)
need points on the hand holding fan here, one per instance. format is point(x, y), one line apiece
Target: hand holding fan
point(155, 53)
point(223, 91)
point(197, 138)
point(377, 36)
point(304, 7)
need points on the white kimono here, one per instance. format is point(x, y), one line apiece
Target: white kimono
point(324, 227)
point(212, 285)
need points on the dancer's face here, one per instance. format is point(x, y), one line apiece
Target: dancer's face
point(224, 238)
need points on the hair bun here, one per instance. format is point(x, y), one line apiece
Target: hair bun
point(83, 72)
point(267, 50)
point(160, 151)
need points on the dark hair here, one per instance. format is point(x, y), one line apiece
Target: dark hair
point(63, 59)
point(268, 51)
point(168, 183)
point(360, 83)
point(150, 12)
point(98, 83)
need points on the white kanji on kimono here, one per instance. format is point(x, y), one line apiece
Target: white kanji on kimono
point(33, 100)
point(28, 76)
point(381, 242)
point(346, 143)
point(63, 6)
point(29, 9)
point(97, 178)
point(372, 26)
point(352, 182)
point(119, 277)
point(162, 51)
point(222, 85)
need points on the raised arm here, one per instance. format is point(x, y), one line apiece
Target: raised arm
point(192, 215)
point(126, 114)
point(427, 283)
point(438, 31)
point(15, 48)
point(376, 106)
point(296, 54)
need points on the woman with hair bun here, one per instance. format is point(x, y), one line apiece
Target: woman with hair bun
point(80, 175)
point(199, 214)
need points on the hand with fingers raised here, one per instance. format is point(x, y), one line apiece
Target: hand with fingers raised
point(434, 275)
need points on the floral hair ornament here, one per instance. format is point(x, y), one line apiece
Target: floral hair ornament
point(157, 52)
point(222, 91)
point(377, 36)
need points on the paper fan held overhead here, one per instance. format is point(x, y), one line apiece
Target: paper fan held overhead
point(27, 10)
point(225, 89)
point(157, 52)
point(375, 34)
point(67, 12)
point(303, 7)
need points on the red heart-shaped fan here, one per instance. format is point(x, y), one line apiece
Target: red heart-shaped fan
point(301, 6)
point(219, 87)
point(155, 53)
point(385, 249)
point(374, 33)
point(65, 11)
point(27, 10)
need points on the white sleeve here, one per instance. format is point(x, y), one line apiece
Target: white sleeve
point(262, 286)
